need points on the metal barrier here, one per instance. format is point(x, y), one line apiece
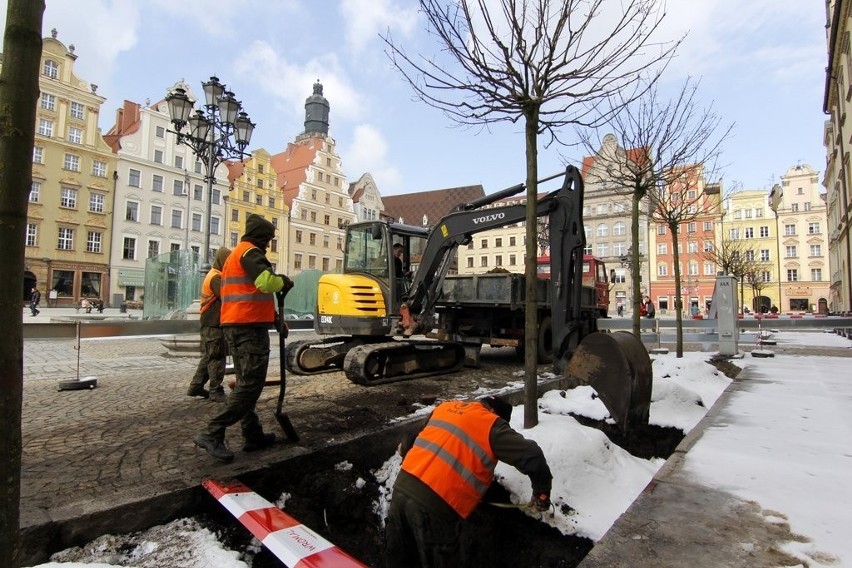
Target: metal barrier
point(124, 328)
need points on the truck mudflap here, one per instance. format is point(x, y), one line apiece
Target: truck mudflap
point(393, 361)
point(618, 367)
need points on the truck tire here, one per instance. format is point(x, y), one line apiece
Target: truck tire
point(545, 340)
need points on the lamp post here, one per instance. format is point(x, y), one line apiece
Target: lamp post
point(219, 132)
point(775, 203)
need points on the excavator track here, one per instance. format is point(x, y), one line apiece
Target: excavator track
point(311, 357)
point(392, 361)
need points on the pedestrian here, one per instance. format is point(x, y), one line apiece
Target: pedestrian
point(247, 313)
point(650, 311)
point(214, 350)
point(620, 310)
point(35, 298)
point(444, 475)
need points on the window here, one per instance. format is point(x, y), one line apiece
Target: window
point(50, 69)
point(160, 132)
point(179, 162)
point(791, 251)
point(217, 196)
point(297, 261)
point(131, 211)
point(801, 191)
point(260, 183)
point(789, 230)
point(48, 102)
point(619, 248)
point(77, 110)
point(93, 241)
point(312, 239)
point(198, 192)
point(470, 262)
point(807, 205)
point(133, 177)
point(816, 250)
point(196, 221)
point(38, 155)
point(96, 202)
point(234, 238)
point(157, 183)
point(662, 269)
point(214, 225)
point(198, 167)
point(483, 261)
point(709, 269)
point(792, 275)
point(708, 246)
point(32, 234)
point(735, 234)
point(662, 248)
point(693, 269)
point(758, 211)
point(156, 215)
point(813, 228)
point(153, 249)
point(816, 274)
point(749, 255)
point(258, 200)
point(766, 276)
point(603, 249)
point(35, 191)
point(620, 276)
point(602, 230)
point(661, 229)
point(764, 232)
point(68, 197)
point(747, 213)
point(45, 127)
point(72, 162)
point(75, 135)
point(498, 242)
point(749, 232)
point(692, 247)
point(158, 156)
point(764, 255)
point(708, 226)
point(99, 168)
point(512, 260)
point(177, 219)
point(177, 188)
point(619, 229)
point(512, 241)
point(794, 207)
point(690, 227)
point(66, 239)
point(235, 215)
point(483, 243)
point(128, 249)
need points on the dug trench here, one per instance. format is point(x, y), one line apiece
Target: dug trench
point(335, 492)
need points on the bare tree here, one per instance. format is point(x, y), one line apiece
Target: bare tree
point(548, 63)
point(18, 96)
point(668, 149)
point(736, 257)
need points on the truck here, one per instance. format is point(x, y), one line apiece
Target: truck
point(371, 316)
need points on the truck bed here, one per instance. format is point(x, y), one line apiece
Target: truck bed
point(483, 290)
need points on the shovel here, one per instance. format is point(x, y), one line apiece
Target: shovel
point(282, 418)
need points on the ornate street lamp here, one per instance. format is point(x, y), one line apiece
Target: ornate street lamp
point(219, 131)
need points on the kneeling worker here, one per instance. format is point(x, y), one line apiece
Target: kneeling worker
point(445, 475)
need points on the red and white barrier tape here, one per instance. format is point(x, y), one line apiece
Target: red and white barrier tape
point(292, 542)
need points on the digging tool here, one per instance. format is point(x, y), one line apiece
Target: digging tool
point(282, 417)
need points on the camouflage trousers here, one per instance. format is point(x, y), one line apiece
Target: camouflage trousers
point(211, 367)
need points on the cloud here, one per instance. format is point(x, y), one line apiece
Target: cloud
point(291, 83)
point(365, 19)
point(367, 152)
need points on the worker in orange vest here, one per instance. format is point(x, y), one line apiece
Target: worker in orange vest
point(214, 350)
point(248, 312)
point(445, 474)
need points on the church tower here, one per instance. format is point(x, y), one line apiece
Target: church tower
point(316, 113)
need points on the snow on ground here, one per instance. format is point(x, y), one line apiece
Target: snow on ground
point(798, 470)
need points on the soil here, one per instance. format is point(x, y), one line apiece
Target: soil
point(340, 503)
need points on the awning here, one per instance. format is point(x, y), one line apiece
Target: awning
point(131, 277)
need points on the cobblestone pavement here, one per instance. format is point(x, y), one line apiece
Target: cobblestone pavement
point(130, 438)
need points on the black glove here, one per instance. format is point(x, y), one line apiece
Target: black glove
point(540, 502)
point(287, 283)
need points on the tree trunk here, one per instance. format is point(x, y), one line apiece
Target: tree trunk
point(531, 274)
point(678, 296)
point(19, 91)
point(635, 265)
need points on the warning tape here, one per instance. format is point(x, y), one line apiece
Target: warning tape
point(295, 544)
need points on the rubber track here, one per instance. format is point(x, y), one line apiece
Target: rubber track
point(381, 363)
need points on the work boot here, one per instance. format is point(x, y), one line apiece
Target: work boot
point(216, 448)
point(218, 396)
point(264, 441)
point(198, 391)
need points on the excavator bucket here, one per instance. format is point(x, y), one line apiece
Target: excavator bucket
point(618, 367)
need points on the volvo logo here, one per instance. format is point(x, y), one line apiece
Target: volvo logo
point(488, 218)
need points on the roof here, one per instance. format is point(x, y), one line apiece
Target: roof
point(291, 166)
point(412, 207)
point(127, 121)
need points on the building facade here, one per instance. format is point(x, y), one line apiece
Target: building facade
point(161, 196)
point(71, 198)
point(838, 177)
point(802, 218)
point(366, 198)
point(310, 179)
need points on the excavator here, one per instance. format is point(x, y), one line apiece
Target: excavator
point(369, 314)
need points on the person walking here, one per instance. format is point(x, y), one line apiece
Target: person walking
point(445, 474)
point(214, 350)
point(35, 298)
point(247, 313)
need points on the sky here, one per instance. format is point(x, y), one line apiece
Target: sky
point(773, 451)
point(760, 65)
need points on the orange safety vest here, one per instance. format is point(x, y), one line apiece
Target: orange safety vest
point(242, 302)
point(208, 298)
point(453, 455)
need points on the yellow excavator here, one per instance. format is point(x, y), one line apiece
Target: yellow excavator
point(373, 315)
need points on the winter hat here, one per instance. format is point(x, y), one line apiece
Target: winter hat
point(220, 257)
point(500, 406)
point(259, 229)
